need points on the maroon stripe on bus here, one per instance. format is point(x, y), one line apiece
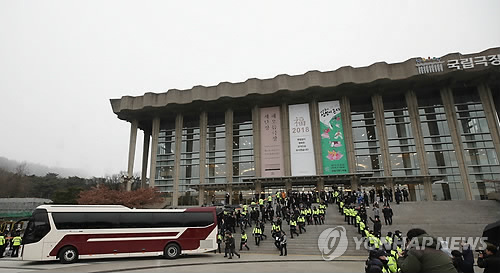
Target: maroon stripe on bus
point(189, 240)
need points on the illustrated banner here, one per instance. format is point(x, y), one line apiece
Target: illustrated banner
point(271, 145)
point(301, 144)
point(333, 148)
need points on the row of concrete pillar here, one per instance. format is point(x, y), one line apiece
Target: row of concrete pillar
point(411, 101)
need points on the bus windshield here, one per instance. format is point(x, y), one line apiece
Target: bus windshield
point(38, 227)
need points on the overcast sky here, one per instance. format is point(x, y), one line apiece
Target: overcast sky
point(61, 61)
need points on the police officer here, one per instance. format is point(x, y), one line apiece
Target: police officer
point(293, 227)
point(244, 240)
point(377, 262)
point(16, 243)
point(219, 241)
point(302, 223)
point(256, 233)
point(2, 244)
point(321, 216)
point(315, 215)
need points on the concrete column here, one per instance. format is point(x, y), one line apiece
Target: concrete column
point(179, 120)
point(285, 135)
point(451, 117)
point(491, 115)
point(131, 153)
point(316, 136)
point(155, 134)
point(378, 107)
point(355, 182)
point(288, 185)
point(428, 189)
point(389, 183)
point(345, 107)
point(145, 154)
point(258, 187)
point(256, 141)
point(203, 155)
point(229, 152)
point(416, 128)
point(201, 195)
point(320, 185)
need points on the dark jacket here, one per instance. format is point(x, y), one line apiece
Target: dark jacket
point(429, 259)
point(374, 265)
point(491, 264)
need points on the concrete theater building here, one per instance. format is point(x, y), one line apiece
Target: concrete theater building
point(427, 124)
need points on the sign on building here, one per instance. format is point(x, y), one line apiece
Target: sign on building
point(333, 149)
point(301, 144)
point(271, 145)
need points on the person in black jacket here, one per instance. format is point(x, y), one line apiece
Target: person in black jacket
point(232, 247)
point(387, 211)
point(377, 262)
point(377, 226)
point(489, 259)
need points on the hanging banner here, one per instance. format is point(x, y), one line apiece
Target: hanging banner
point(271, 148)
point(333, 148)
point(301, 144)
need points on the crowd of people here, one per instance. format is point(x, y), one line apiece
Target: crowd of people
point(395, 253)
point(293, 209)
point(11, 244)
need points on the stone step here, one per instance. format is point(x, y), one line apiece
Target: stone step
point(439, 218)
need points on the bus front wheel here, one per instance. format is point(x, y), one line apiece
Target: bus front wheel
point(172, 251)
point(68, 255)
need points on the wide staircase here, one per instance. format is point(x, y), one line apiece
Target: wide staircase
point(440, 218)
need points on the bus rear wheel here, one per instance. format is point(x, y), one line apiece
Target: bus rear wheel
point(172, 251)
point(68, 255)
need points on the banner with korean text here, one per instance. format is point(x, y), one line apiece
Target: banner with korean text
point(333, 148)
point(271, 148)
point(301, 144)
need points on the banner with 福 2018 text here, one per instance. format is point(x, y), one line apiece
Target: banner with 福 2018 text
point(271, 147)
point(333, 149)
point(301, 144)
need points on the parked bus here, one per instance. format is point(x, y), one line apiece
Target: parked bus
point(72, 232)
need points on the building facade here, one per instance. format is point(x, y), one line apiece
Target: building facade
point(430, 125)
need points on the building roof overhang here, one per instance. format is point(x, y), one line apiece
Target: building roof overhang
point(343, 81)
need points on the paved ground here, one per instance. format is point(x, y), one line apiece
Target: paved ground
point(194, 263)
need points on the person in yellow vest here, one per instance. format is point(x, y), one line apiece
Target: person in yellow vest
point(244, 240)
point(302, 224)
point(377, 262)
point(341, 207)
point(309, 216)
point(275, 229)
point(346, 214)
point(321, 216)
point(392, 263)
point(388, 241)
point(16, 243)
point(270, 200)
point(315, 215)
point(2, 244)
point(362, 228)
point(358, 221)
point(293, 227)
point(257, 234)
point(355, 221)
point(219, 241)
point(261, 203)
